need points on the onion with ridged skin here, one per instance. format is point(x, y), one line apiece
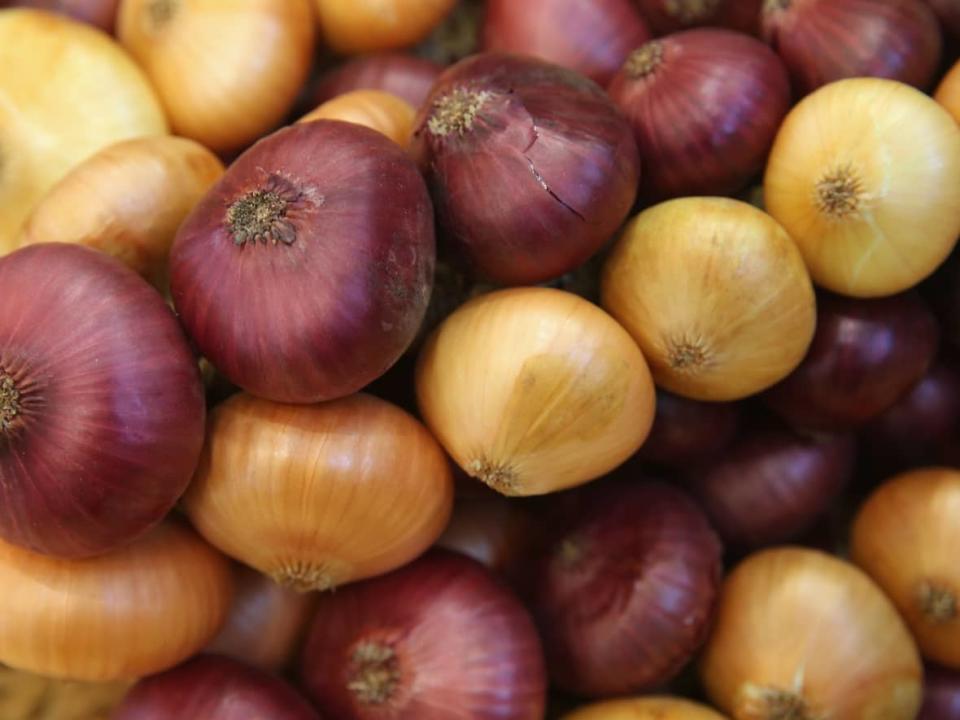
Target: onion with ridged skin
point(358, 26)
point(668, 16)
point(378, 110)
point(134, 611)
point(66, 91)
point(439, 638)
point(406, 76)
point(101, 404)
point(645, 708)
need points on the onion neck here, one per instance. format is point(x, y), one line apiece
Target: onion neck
point(645, 60)
point(10, 407)
point(501, 478)
point(692, 11)
point(457, 111)
point(263, 215)
point(304, 577)
point(938, 603)
point(839, 193)
point(374, 673)
point(773, 703)
point(687, 354)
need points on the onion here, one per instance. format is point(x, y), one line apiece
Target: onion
point(101, 405)
point(645, 708)
point(531, 166)
point(941, 695)
point(802, 635)
point(214, 688)
point(705, 106)
point(625, 594)
point(358, 26)
point(593, 38)
point(865, 356)
point(405, 76)
point(948, 91)
point(667, 16)
point(716, 295)
point(948, 11)
point(306, 271)
point(438, 638)
point(101, 14)
point(375, 109)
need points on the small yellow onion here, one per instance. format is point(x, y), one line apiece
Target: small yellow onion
point(388, 114)
point(316, 496)
point(800, 634)
point(533, 390)
point(127, 200)
point(132, 612)
point(716, 294)
point(653, 707)
point(865, 176)
point(948, 92)
point(907, 538)
point(66, 91)
point(227, 71)
point(358, 26)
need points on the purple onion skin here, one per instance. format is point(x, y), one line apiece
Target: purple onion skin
point(108, 426)
point(705, 106)
point(406, 76)
point(593, 38)
point(541, 176)
point(453, 641)
point(214, 687)
point(865, 355)
point(825, 40)
point(941, 694)
point(669, 16)
point(332, 293)
point(625, 594)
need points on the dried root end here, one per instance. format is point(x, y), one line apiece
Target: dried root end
point(501, 478)
point(374, 673)
point(161, 12)
point(644, 60)
point(263, 215)
point(304, 577)
point(688, 355)
point(9, 403)
point(938, 603)
point(692, 11)
point(772, 703)
point(775, 6)
point(456, 112)
point(839, 193)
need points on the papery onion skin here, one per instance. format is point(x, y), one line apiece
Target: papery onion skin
point(134, 611)
point(941, 694)
point(652, 707)
point(905, 536)
point(705, 106)
point(358, 26)
point(530, 165)
point(668, 16)
point(101, 404)
point(948, 91)
point(593, 38)
point(801, 632)
point(625, 594)
point(826, 40)
point(687, 432)
point(99, 13)
point(321, 297)
point(406, 76)
point(437, 638)
point(213, 687)
point(378, 110)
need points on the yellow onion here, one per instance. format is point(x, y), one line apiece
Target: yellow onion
point(227, 71)
point(865, 176)
point(128, 201)
point(948, 91)
point(132, 612)
point(357, 26)
point(801, 635)
point(715, 293)
point(27, 695)
point(654, 707)
point(388, 114)
point(533, 390)
point(66, 90)
point(316, 496)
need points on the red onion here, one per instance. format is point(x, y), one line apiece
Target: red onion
point(592, 37)
point(101, 404)
point(99, 13)
point(306, 270)
point(439, 638)
point(625, 594)
point(403, 75)
point(772, 486)
point(667, 16)
point(826, 40)
point(214, 688)
point(941, 694)
point(948, 11)
point(705, 106)
point(531, 166)
point(865, 355)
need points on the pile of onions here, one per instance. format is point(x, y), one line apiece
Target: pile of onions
point(667, 16)
point(716, 295)
point(906, 537)
point(214, 688)
point(132, 612)
point(941, 695)
point(593, 38)
point(226, 71)
point(305, 272)
point(531, 166)
point(406, 76)
point(318, 496)
point(99, 13)
point(804, 635)
point(532, 390)
point(843, 179)
point(653, 707)
point(826, 40)
point(66, 91)
point(128, 201)
point(705, 106)
point(378, 110)
point(358, 26)
point(624, 596)
point(101, 405)
point(948, 91)
point(438, 638)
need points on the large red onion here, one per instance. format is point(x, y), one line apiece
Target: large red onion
point(99, 13)
point(439, 638)
point(625, 594)
point(101, 404)
point(306, 270)
point(212, 687)
point(826, 40)
point(667, 16)
point(592, 37)
point(705, 106)
point(531, 166)
point(941, 694)
point(405, 76)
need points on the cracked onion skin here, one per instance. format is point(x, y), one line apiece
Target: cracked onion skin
point(531, 166)
point(306, 271)
point(101, 404)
